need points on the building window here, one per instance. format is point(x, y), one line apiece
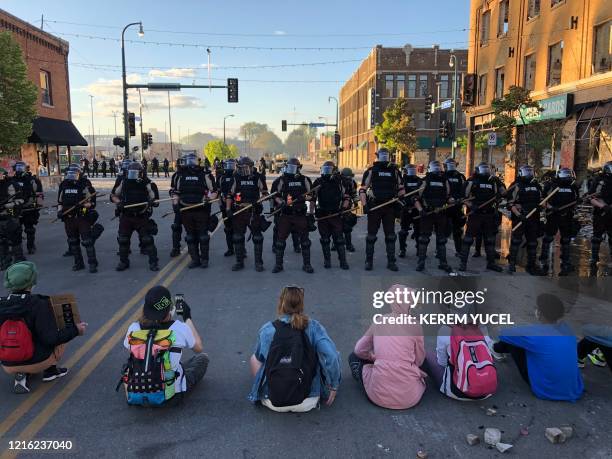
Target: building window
point(423, 86)
point(499, 82)
point(485, 27)
point(482, 89)
point(555, 63)
point(556, 2)
point(530, 72)
point(400, 81)
point(444, 87)
point(412, 84)
point(45, 87)
point(602, 54)
point(533, 9)
point(388, 85)
point(502, 25)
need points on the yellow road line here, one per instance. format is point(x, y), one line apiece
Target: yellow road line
point(47, 413)
point(37, 395)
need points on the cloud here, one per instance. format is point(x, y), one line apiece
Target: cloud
point(280, 32)
point(173, 73)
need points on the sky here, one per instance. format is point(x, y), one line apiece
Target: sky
point(290, 90)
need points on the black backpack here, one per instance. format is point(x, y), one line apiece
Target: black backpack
point(290, 366)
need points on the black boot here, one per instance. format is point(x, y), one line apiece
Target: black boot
point(489, 246)
point(390, 248)
point(532, 268)
point(229, 240)
point(441, 255)
point(341, 249)
point(239, 249)
point(545, 253)
point(204, 249)
point(305, 246)
point(296, 243)
point(466, 245)
point(422, 252)
point(326, 253)
point(370, 242)
point(193, 249)
point(176, 241)
point(78, 256)
point(349, 243)
point(124, 253)
point(258, 250)
point(151, 251)
point(515, 244)
point(402, 236)
point(90, 249)
point(31, 240)
point(279, 252)
point(566, 265)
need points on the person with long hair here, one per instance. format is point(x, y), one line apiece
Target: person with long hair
point(294, 344)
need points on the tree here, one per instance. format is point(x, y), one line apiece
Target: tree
point(216, 149)
point(18, 97)
point(296, 143)
point(397, 131)
point(268, 142)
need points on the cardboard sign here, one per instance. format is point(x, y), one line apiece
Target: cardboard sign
point(65, 310)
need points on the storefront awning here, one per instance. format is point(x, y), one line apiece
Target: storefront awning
point(55, 132)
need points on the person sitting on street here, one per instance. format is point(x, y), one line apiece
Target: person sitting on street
point(157, 315)
point(387, 358)
point(41, 343)
point(545, 354)
point(596, 346)
point(295, 363)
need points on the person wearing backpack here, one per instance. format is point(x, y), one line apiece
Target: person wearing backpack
point(30, 342)
point(295, 363)
point(545, 354)
point(154, 372)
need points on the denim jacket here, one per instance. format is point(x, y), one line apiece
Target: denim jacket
point(328, 356)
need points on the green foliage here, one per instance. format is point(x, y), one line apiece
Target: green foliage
point(508, 108)
point(268, 142)
point(397, 131)
point(296, 143)
point(216, 149)
point(18, 97)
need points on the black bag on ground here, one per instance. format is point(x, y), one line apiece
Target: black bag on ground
point(290, 366)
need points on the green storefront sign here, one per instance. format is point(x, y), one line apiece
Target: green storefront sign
point(555, 108)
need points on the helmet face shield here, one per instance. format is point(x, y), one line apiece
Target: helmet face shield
point(607, 169)
point(484, 169)
point(72, 174)
point(245, 170)
point(20, 167)
point(383, 155)
point(291, 169)
point(565, 173)
point(450, 165)
point(133, 174)
point(526, 172)
point(410, 170)
point(190, 161)
point(434, 167)
point(327, 171)
point(229, 165)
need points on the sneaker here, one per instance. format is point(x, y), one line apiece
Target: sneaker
point(21, 384)
point(54, 372)
point(597, 358)
point(581, 363)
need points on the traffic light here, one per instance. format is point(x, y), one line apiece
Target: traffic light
point(427, 109)
point(336, 138)
point(118, 142)
point(150, 138)
point(132, 124)
point(443, 131)
point(232, 90)
point(469, 89)
point(284, 125)
point(144, 138)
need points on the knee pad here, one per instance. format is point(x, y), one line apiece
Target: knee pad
point(204, 238)
point(468, 240)
point(325, 240)
point(238, 238)
point(258, 238)
point(371, 238)
point(441, 241)
point(516, 240)
point(147, 240)
point(73, 241)
point(532, 245)
point(390, 238)
point(305, 243)
point(123, 240)
point(190, 238)
point(280, 244)
point(29, 230)
point(87, 242)
point(547, 239)
point(339, 239)
point(423, 239)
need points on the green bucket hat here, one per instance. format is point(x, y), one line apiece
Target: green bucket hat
point(20, 276)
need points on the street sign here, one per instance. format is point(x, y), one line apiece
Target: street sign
point(316, 125)
point(446, 105)
point(492, 139)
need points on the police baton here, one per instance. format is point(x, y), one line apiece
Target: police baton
point(201, 204)
point(146, 203)
point(443, 208)
point(391, 201)
point(95, 195)
point(552, 193)
point(289, 205)
point(350, 209)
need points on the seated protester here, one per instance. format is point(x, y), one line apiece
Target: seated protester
point(170, 337)
point(452, 367)
point(30, 342)
point(295, 362)
point(387, 358)
point(545, 354)
point(596, 345)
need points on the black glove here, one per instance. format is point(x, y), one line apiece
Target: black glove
point(523, 218)
point(186, 311)
point(366, 209)
point(311, 223)
point(553, 209)
point(60, 215)
point(229, 214)
point(120, 206)
point(423, 212)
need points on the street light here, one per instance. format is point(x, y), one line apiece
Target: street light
point(224, 118)
point(329, 99)
point(93, 129)
point(453, 64)
point(124, 82)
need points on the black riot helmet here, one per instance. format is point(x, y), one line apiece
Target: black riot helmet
point(245, 166)
point(434, 167)
point(190, 160)
point(73, 172)
point(483, 169)
point(20, 168)
point(292, 167)
point(229, 165)
point(327, 169)
point(124, 165)
point(450, 165)
point(383, 155)
point(607, 169)
point(134, 171)
point(525, 172)
point(566, 175)
point(347, 172)
point(410, 170)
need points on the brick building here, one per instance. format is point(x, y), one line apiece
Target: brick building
point(46, 58)
point(385, 75)
point(561, 51)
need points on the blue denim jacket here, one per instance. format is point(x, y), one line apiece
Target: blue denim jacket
point(329, 359)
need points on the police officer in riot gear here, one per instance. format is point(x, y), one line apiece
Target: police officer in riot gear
point(293, 199)
point(600, 195)
point(10, 230)
point(349, 219)
point(31, 196)
point(412, 182)
point(482, 194)
point(75, 200)
point(135, 188)
point(195, 186)
point(560, 218)
point(225, 181)
point(456, 217)
point(176, 226)
point(524, 195)
point(433, 198)
point(381, 184)
point(247, 187)
point(331, 199)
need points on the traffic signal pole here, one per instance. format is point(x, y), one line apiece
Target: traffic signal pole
point(141, 131)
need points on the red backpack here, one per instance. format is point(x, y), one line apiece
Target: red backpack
point(16, 343)
point(474, 372)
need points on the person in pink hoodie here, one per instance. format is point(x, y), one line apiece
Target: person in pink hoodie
point(386, 361)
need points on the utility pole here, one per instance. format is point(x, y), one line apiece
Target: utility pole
point(453, 63)
point(141, 132)
point(170, 126)
point(115, 118)
point(93, 129)
point(126, 127)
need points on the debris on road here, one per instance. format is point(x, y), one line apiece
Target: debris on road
point(555, 435)
point(472, 439)
point(568, 431)
point(524, 431)
point(492, 436)
point(491, 411)
point(421, 455)
point(503, 447)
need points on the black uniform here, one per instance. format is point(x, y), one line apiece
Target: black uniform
point(382, 182)
point(10, 228)
point(602, 218)
point(145, 164)
point(527, 193)
point(86, 166)
point(193, 185)
point(78, 222)
point(409, 212)
point(112, 167)
point(166, 166)
point(104, 166)
point(331, 198)
point(435, 195)
point(293, 193)
point(455, 215)
point(349, 219)
point(177, 225)
point(94, 166)
point(155, 167)
point(225, 181)
point(31, 189)
point(245, 191)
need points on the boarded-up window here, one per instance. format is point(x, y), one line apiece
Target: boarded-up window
point(530, 72)
point(602, 54)
point(502, 25)
point(482, 89)
point(555, 63)
point(485, 27)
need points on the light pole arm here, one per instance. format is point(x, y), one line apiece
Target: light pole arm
point(126, 127)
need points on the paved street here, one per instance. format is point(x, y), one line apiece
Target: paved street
point(228, 309)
